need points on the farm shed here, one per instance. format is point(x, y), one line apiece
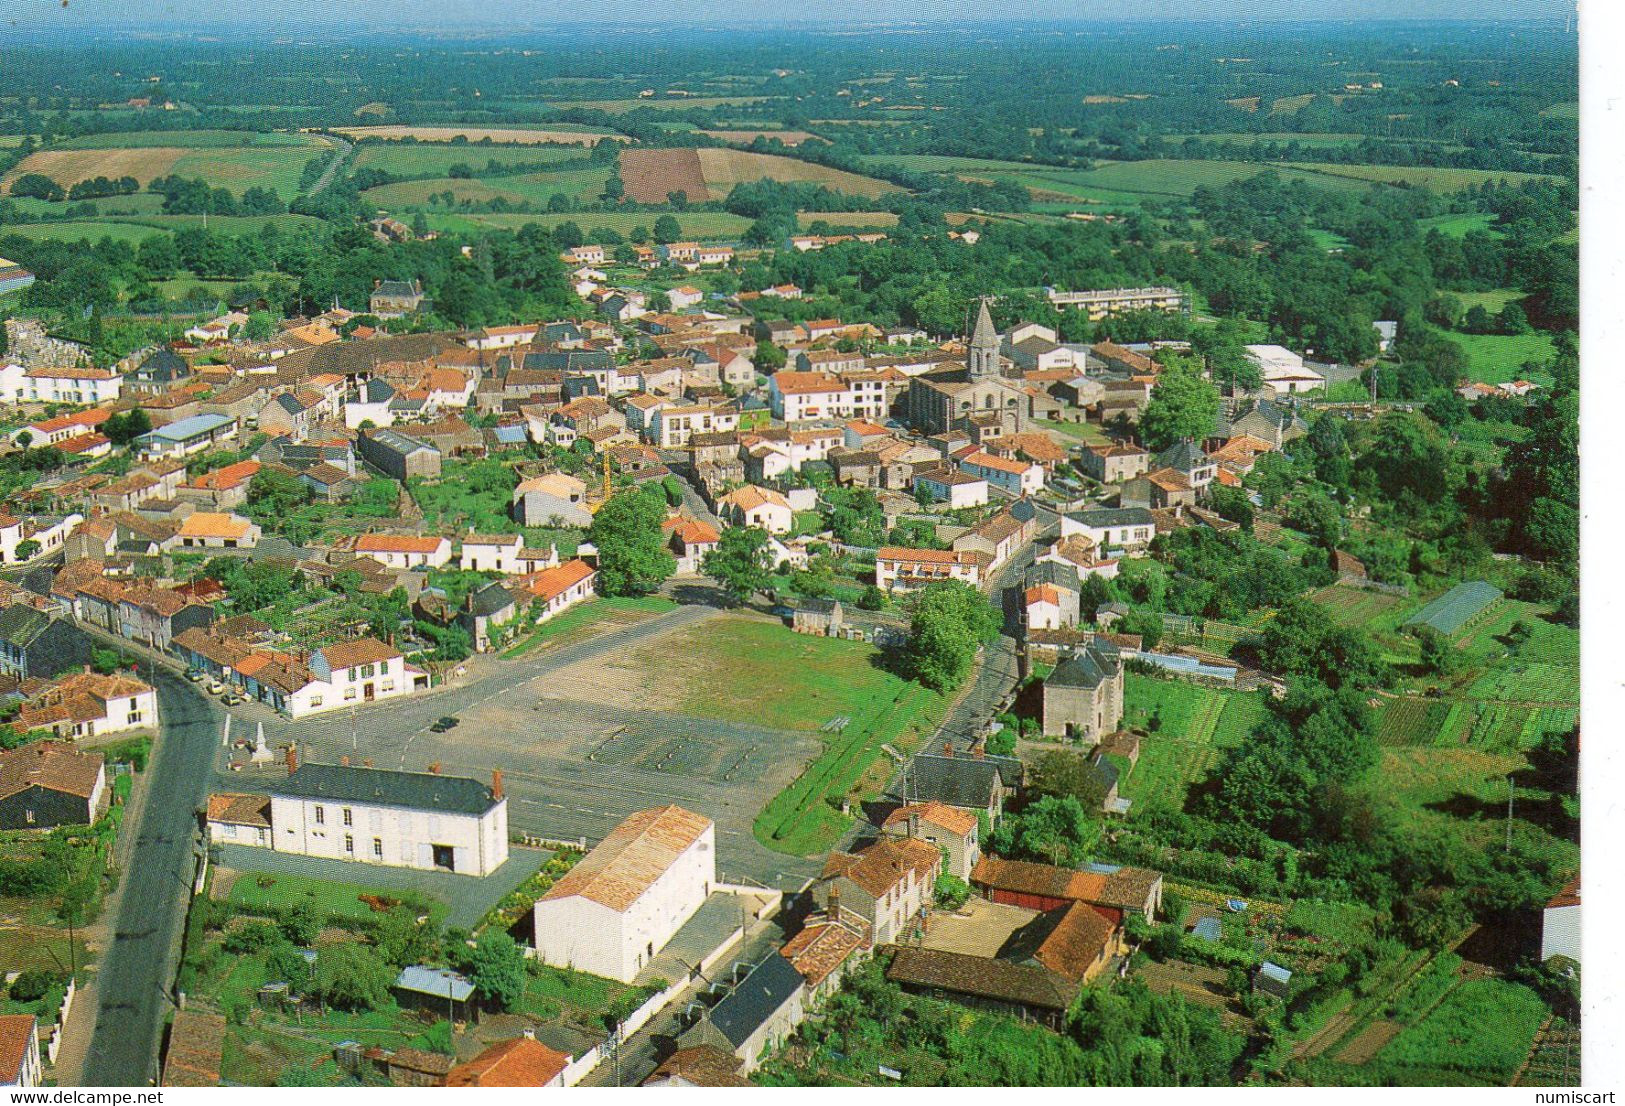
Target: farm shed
point(1458, 608)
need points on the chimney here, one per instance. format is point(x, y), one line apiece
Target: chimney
point(468, 604)
point(834, 910)
point(914, 823)
point(366, 762)
point(434, 769)
point(979, 752)
point(344, 761)
point(496, 783)
point(530, 1034)
point(947, 748)
point(293, 758)
point(87, 669)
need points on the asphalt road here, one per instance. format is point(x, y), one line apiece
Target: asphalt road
point(139, 962)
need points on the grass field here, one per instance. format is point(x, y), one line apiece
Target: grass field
point(524, 136)
point(694, 224)
point(710, 174)
point(425, 160)
point(1128, 182)
point(532, 188)
point(1243, 138)
point(1491, 301)
point(198, 139)
point(1439, 180)
point(1459, 226)
point(276, 162)
point(82, 231)
point(1496, 358)
point(682, 103)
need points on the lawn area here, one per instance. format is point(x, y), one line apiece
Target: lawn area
point(468, 494)
point(574, 623)
point(1086, 432)
point(277, 891)
point(552, 992)
point(1189, 712)
point(1497, 358)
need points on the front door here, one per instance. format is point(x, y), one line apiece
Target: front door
point(368, 693)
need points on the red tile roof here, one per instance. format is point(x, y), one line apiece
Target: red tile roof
point(519, 1062)
point(635, 854)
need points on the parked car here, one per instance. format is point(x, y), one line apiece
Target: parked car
point(446, 723)
point(197, 675)
point(216, 687)
point(234, 698)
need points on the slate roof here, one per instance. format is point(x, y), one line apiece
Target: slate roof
point(1099, 517)
point(1088, 667)
point(491, 599)
point(386, 787)
point(960, 781)
point(768, 987)
point(1183, 456)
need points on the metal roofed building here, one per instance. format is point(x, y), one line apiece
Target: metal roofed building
point(185, 437)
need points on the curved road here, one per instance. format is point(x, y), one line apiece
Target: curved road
point(132, 982)
point(341, 150)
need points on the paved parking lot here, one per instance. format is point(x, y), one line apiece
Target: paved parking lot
point(979, 928)
point(574, 768)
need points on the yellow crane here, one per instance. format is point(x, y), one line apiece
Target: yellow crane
point(594, 508)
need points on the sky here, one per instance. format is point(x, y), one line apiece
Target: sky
point(527, 14)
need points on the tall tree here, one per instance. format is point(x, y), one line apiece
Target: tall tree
point(632, 554)
point(740, 562)
point(1182, 406)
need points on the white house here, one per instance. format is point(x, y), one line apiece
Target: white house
point(1284, 371)
point(554, 499)
point(502, 337)
point(1112, 527)
point(73, 385)
point(50, 531)
point(619, 906)
point(800, 396)
point(754, 506)
point(417, 820)
point(899, 569)
point(20, 1064)
point(954, 487)
point(1015, 477)
point(557, 589)
point(87, 704)
point(490, 553)
point(405, 550)
point(362, 670)
point(1560, 924)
